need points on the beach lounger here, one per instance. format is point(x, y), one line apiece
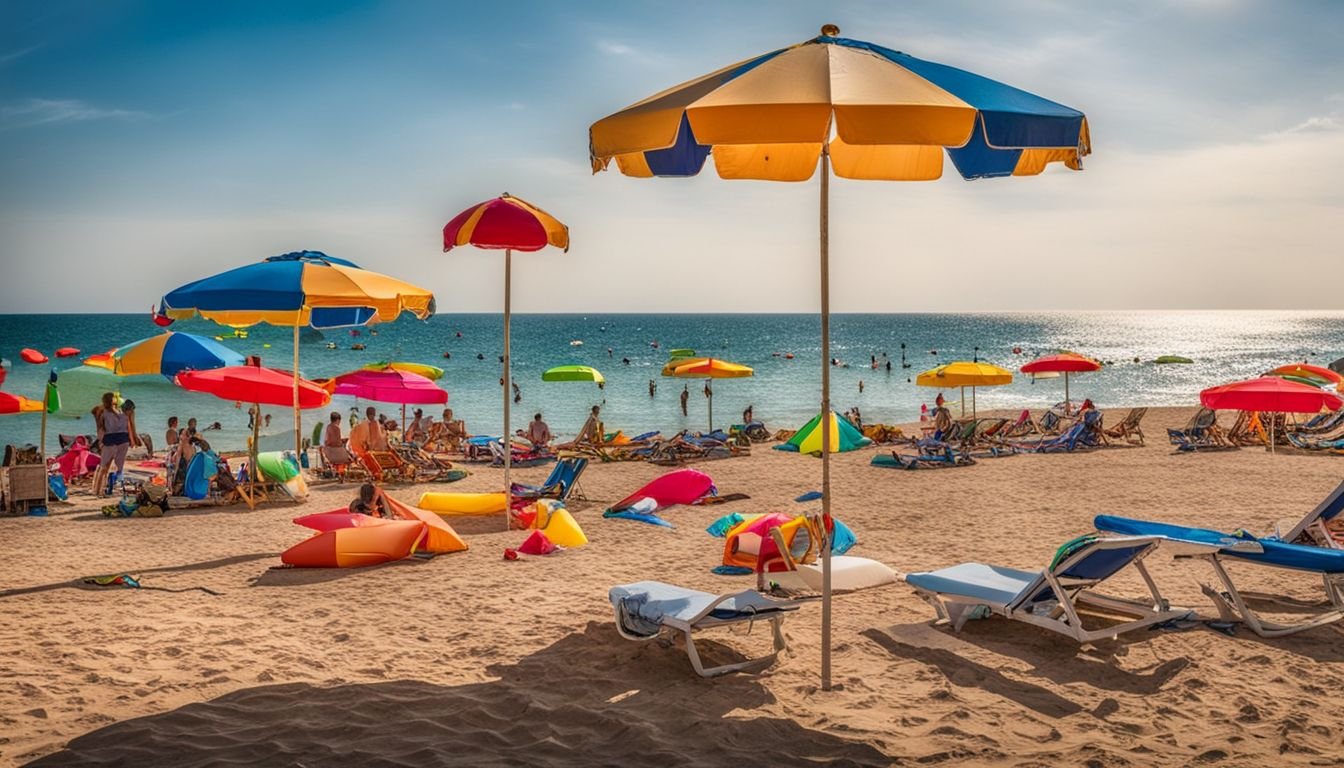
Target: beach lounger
point(1050, 598)
point(561, 484)
point(945, 458)
point(1129, 428)
point(1315, 527)
point(1242, 546)
point(1072, 439)
point(1201, 433)
point(648, 610)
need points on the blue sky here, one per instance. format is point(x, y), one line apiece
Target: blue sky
point(144, 144)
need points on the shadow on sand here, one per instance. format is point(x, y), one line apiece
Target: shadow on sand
point(589, 699)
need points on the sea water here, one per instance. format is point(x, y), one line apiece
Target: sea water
point(784, 391)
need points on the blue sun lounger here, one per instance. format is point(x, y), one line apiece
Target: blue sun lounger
point(563, 480)
point(1050, 598)
point(648, 610)
point(1314, 527)
point(1242, 546)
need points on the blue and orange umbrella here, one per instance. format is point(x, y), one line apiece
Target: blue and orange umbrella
point(866, 111)
point(167, 354)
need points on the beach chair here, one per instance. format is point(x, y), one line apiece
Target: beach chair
point(1244, 547)
point(562, 483)
point(1129, 428)
point(1321, 423)
point(1201, 433)
point(341, 463)
point(384, 465)
point(1023, 426)
point(1066, 442)
point(1318, 526)
point(649, 610)
point(1050, 598)
point(945, 458)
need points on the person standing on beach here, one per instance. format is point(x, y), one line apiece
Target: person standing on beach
point(114, 438)
point(170, 437)
point(685, 395)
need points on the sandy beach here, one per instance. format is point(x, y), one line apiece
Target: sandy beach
point(469, 659)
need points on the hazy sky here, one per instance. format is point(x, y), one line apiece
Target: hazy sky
point(145, 144)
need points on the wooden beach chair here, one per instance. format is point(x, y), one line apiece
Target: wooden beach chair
point(1129, 429)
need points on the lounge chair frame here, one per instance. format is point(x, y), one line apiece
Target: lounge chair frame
point(670, 627)
point(1062, 615)
point(1232, 606)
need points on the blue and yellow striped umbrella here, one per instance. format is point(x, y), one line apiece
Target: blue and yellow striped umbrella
point(299, 289)
point(168, 354)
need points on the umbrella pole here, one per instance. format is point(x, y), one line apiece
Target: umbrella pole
point(963, 402)
point(508, 441)
point(1066, 393)
point(973, 411)
point(711, 410)
point(825, 228)
point(298, 431)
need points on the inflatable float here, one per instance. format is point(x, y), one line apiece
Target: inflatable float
point(280, 468)
point(440, 538)
point(32, 356)
point(67, 352)
point(355, 547)
point(551, 517)
point(1170, 359)
point(682, 486)
point(462, 503)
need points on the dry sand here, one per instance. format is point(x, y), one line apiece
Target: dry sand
point(468, 659)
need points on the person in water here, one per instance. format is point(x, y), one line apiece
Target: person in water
point(370, 502)
point(748, 414)
point(685, 395)
point(653, 387)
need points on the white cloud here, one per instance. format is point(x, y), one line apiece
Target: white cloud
point(5, 58)
point(612, 48)
point(46, 111)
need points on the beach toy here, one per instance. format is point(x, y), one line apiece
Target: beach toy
point(67, 352)
point(32, 356)
point(462, 503)
point(356, 547)
point(751, 545)
point(558, 524)
point(537, 544)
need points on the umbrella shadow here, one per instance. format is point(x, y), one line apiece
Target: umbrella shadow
point(590, 699)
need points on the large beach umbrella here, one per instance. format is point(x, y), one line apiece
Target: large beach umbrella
point(707, 368)
point(1065, 363)
point(509, 224)
point(303, 288)
point(388, 386)
point(168, 354)
point(18, 404)
point(259, 386)
point(962, 374)
point(875, 112)
point(1270, 394)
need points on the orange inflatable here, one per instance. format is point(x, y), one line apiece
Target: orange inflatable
point(67, 352)
point(356, 547)
point(440, 538)
point(32, 356)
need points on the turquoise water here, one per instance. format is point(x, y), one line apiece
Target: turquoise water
point(1225, 346)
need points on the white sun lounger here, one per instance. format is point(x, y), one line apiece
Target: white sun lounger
point(647, 610)
point(1050, 598)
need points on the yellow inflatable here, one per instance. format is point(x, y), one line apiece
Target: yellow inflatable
point(462, 503)
point(559, 526)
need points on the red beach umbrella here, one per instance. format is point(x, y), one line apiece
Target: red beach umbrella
point(18, 404)
point(1065, 363)
point(509, 224)
point(254, 384)
point(1271, 394)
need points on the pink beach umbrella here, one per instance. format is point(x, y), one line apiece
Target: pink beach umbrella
point(388, 386)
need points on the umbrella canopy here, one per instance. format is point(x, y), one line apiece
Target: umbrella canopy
point(771, 117)
point(18, 404)
point(509, 224)
point(1270, 393)
point(965, 374)
point(1306, 371)
point(254, 384)
point(168, 354)
point(574, 373)
point(1065, 362)
point(505, 223)
point(432, 372)
point(387, 387)
point(710, 368)
point(670, 368)
point(299, 289)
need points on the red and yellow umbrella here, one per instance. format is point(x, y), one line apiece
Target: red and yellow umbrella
point(707, 368)
point(509, 224)
point(18, 404)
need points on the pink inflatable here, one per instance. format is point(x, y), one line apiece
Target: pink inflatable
point(682, 486)
point(338, 519)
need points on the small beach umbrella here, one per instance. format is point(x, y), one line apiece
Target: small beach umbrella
point(874, 112)
point(299, 289)
point(432, 372)
point(1270, 394)
point(707, 368)
point(574, 373)
point(259, 386)
point(1065, 363)
point(18, 404)
point(964, 374)
point(1306, 371)
point(168, 354)
point(509, 224)
point(387, 386)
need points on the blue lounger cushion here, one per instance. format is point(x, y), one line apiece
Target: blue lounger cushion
point(1282, 554)
point(994, 584)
